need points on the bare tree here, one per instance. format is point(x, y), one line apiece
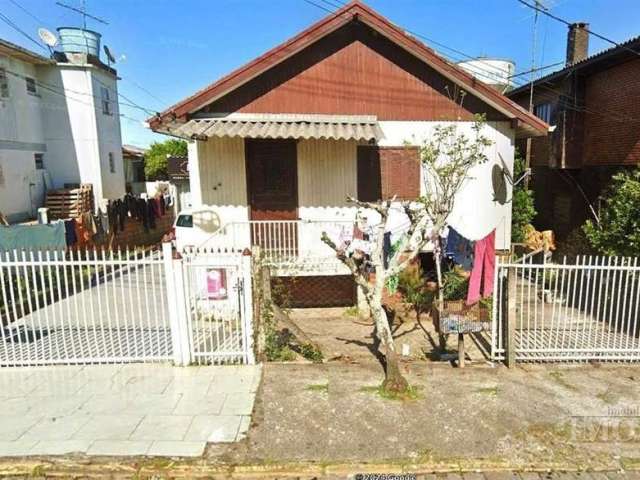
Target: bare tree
point(445, 159)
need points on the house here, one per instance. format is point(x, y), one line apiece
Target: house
point(178, 172)
point(594, 105)
point(133, 164)
point(59, 125)
point(338, 110)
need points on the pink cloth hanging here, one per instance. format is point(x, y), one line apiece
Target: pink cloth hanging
point(484, 264)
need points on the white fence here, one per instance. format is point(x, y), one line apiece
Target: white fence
point(583, 311)
point(283, 241)
point(120, 306)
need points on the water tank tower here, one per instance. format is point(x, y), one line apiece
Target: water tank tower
point(79, 40)
point(494, 72)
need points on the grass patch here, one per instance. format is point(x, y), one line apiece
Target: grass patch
point(491, 391)
point(412, 393)
point(351, 311)
point(318, 387)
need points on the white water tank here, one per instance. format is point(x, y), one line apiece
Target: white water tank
point(494, 72)
point(79, 40)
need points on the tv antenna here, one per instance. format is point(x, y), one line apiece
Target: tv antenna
point(82, 11)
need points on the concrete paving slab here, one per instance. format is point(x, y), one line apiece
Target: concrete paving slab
point(108, 427)
point(60, 447)
point(121, 409)
point(200, 405)
point(12, 428)
point(15, 449)
point(119, 447)
point(56, 428)
point(214, 428)
point(162, 427)
point(177, 449)
point(238, 404)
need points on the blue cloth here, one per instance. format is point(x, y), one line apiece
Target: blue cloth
point(33, 237)
point(459, 249)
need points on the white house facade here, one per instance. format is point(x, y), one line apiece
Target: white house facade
point(340, 110)
point(59, 127)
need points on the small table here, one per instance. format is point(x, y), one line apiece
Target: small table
point(460, 324)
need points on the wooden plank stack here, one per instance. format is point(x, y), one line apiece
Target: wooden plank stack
point(69, 202)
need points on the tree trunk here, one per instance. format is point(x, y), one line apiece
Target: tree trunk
point(394, 381)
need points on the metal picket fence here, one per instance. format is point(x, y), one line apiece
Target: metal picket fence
point(98, 306)
point(564, 312)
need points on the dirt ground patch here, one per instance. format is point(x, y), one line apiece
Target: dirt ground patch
point(520, 418)
point(345, 337)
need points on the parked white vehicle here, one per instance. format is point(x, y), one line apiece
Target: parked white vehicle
point(192, 228)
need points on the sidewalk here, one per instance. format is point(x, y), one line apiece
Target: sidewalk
point(123, 410)
point(328, 421)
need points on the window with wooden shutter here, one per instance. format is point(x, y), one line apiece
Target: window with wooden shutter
point(369, 181)
point(385, 172)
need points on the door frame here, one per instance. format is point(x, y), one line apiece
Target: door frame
point(247, 141)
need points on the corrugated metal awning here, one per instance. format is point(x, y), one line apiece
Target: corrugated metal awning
point(343, 127)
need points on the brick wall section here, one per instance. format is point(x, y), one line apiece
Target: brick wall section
point(400, 172)
point(614, 92)
point(314, 291)
point(134, 234)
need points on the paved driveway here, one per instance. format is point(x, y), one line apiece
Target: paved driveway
point(136, 409)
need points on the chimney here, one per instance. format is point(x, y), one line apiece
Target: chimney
point(577, 43)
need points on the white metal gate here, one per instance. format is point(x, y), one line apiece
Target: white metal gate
point(96, 306)
point(217, 291)
point(83, 307)
point(583, 311)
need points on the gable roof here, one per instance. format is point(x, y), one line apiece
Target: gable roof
point(595, 63)
point(526, 123)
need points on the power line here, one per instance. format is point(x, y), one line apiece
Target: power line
point(10, 22)
point(566, 22)
point(40, 21)
point(564, 100)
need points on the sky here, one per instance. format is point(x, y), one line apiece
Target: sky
point(168, 49)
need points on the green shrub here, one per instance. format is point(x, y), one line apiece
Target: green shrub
point(455, 285)
point(619, 230)
point(523, 208)
point(411, 284)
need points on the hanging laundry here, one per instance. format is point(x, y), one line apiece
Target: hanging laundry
point(33, 237)
point(459, 249)
point(484, 264)
point(70, 232)
point(151, 215)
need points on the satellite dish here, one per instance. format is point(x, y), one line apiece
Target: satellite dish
point(109, 55)
point(47, 37)
point(499, 177)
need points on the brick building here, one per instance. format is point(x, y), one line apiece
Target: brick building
point(594, 105)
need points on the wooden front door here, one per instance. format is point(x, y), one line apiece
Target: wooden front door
point(272, 180)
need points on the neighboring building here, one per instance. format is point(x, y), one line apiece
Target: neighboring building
point(594, 104)
point(338, 110)
point(59, 126)
point(178, 172)
point(133, 164)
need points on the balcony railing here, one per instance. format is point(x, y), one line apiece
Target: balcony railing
point(283, 241)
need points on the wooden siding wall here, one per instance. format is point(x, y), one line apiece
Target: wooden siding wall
point(354, 71)
point(326, 172)
point(223, 178)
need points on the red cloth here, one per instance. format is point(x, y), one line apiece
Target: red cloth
point(484, 264)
